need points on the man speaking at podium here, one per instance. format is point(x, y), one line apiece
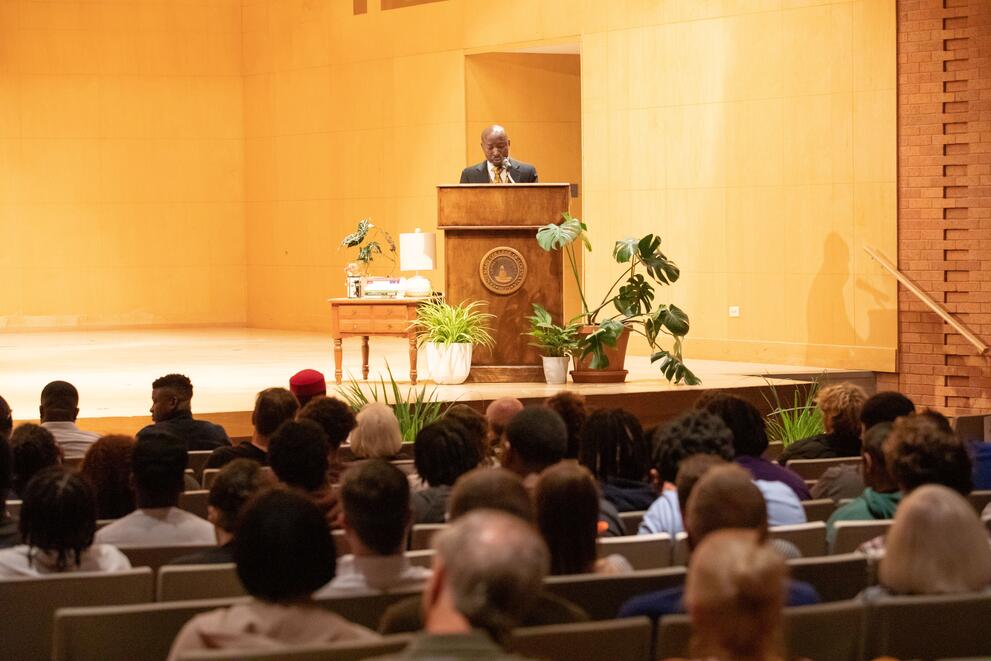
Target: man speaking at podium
point(497, 168)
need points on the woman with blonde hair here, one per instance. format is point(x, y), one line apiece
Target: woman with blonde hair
point(377, 434)
point(936, 545)
point(840, 405)
point(735, 593)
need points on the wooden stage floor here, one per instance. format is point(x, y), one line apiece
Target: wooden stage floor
point(113, 371)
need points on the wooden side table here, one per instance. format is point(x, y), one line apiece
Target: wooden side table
point(363, 317)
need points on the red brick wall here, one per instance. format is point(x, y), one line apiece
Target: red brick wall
point(944, 205)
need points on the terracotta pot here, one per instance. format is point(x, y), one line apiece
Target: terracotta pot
point(616, 355)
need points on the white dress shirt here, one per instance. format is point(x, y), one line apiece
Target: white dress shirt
point(373, 573)
point(504, 174)
point(73, 440)
point(158, 526)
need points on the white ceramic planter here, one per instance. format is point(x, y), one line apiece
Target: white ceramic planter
point(448, 363)
point(556, 369)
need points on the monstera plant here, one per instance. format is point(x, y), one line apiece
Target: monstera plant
point(628, 304)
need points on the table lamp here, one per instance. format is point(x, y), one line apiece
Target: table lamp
point(416, 253)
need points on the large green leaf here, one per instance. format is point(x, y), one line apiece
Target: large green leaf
point(672, 318)
point(606, 334)
point(356, 237)
point(555, 236)
point(673, 368)
point(635, 297)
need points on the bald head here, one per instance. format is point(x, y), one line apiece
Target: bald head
point(495, 144)
point(500, 412)
point(724, 497)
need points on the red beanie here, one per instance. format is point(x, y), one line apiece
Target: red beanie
point(307, 383)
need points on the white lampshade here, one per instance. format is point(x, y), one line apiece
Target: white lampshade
point(417, 251)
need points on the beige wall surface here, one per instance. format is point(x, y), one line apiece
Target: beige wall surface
point(121, 164)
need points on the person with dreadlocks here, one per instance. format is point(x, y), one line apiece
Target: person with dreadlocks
point(613, 448)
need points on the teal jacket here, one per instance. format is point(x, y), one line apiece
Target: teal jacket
point(871, 505)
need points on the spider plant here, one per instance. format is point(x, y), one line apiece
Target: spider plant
point(793, 423)
point(417, 409)
point(443, 323)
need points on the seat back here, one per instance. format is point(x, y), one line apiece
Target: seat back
point(851, 534)
point(72, 462)
point(197, 462)
point(674, 638)
point(143, 631)
point(602, 596)
point(812, 469)
point(810, 538)
point(185, 582)
point(344, 651)
point(980, 499)
point(929, 627)
point(209, 475)
point(405, 465)
point(367, 609)
point(341, 544)
point(835, 577)
point(194, 502)
point(819, 509)
point(14, 508)
point(628, 639)
point(679, 550)
point(642, 551)
point(29, 604)
point(631, 521)
point(156, 556)
point(774, 450)
point(424, 558)
point(422, 534)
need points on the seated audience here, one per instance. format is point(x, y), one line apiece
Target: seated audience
point(735, 596)
point(32, 448)
point(157, 465)
point(10, 535)
point(443, 452)
point(488, 570)
point(6, 420)
point(284, 552)
point(299, 456)
point(936, 545)
point(571, 407)
point(724, 497)
point(567, 501)
point(337, 420)
point(377, 435)
point(58, 411)
point(273, 406)
point(498, 414)
point(235, 485)
point(614, 449)
point(107, 465)
point(750, 439)
point(840, 405)
point(307, 384)
point(847, 481)
point(376, 502)
point(171, 411)
point(535, 439)
point(881, 496)
point(477, 428)
point(700, 432)
point(57, 522)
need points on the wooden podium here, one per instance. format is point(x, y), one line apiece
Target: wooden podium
point(491, 253)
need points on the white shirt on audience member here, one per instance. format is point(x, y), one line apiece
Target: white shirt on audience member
point(158, 526)
point(361, 574)
point(17, 562)
point(73, 440)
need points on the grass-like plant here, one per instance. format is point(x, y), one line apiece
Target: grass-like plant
point(443, 323)
point(793, 423)
point(553, 341)
point(417, 409)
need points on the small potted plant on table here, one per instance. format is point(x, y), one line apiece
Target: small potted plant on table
point(448, 333)
point(557, 344)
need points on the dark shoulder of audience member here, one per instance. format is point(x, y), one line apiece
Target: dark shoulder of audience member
point(694, 432)
point(283, 547)
point(107, 465)
point(886, 406)
point(536, 438)
point(6, 419)
point(571, 407)
point(375, 496)
point(922, 449)
point(59, 515)
point(297, 453)
point(158, 463)
point(334, 416)
point(444, 450)
point(32, 448)
point(9, 534)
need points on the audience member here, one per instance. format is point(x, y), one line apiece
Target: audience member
point(567, 501)
point(307, 384)
point(840, 405)
point(477, 428)
point(700, 432)
point(58, 411)
point(32, 448)
point(936, 545)
point(571, 407)
point(6, 419)
point(614, 449)
point(337, 420)
point(847, 480)
point(10, 535)
point(750, 439)
point(273, 406)
point(536, 438)
point(157, 466)
point(58, 519)
point(881, 496)
point(498, 414)
point(724, 497)
point(735, 596)
point(284, 552)
point(488, 569)
point(375, 498)
point(171, 411)
point(235, 484)
point(107, 465)
point(443, 452)
point(298, 454)
point(377, 434)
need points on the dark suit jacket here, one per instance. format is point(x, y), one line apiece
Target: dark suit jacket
point(522, 173)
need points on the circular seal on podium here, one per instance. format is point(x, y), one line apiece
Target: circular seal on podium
point(503, 270)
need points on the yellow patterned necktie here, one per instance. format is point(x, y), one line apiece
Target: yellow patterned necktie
point(497, 176)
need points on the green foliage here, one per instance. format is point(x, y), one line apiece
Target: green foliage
point(551, 339)
point(443, 323)
point(631, 296)
point(367, 252)
point(415, 410)
point(793, 423)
